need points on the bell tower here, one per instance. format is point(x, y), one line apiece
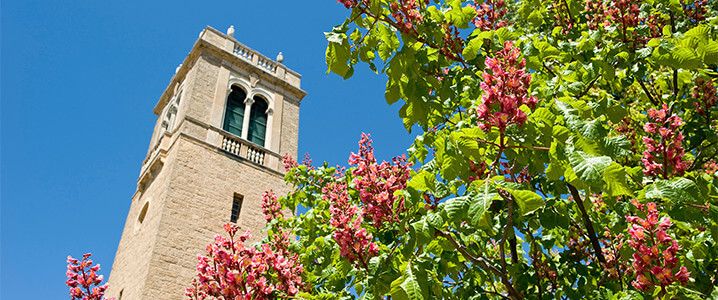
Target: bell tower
point(227, 116)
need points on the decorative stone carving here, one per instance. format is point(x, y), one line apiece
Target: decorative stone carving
point(230, 31)
point(253, 80)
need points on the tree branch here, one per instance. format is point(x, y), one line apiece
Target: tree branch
point(508, 230)
point(587, 222)
point(645, 90)
point(588, 88)
point(513, 294)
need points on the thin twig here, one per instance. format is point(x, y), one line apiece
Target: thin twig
point(513, 294)
point(587, 222)
point(588, 88)
point(645, 90)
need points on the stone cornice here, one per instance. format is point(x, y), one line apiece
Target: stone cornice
point(213, 43)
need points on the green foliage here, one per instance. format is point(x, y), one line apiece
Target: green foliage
point(512, 213)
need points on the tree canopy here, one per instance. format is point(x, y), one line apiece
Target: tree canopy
point(564, 149)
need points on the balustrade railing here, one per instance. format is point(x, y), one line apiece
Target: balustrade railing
point(245, 149)
point(267, 64)
point(243, 52)
point(250, 56)
point(231, 145)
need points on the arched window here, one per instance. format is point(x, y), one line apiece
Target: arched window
point(234, 115)
point(258, 121)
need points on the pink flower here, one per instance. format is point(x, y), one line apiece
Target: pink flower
point(377, 183)
point(697, 11)
point(406, 14)
point(664, 150)
point(490, 14)
point(654, 259)
point(233, 270)
point(505, 90)
point(355, 243)
point(348, 3)
point(705, 96)
point(289, 162)
point(271, 207)
point(83, 280)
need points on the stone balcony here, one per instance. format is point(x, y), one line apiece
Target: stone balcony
point(247, 150)
point(223, 141)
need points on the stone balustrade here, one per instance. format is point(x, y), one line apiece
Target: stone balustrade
point(244, 149)
point(255, 58)
point(267, 64)
point(243, 52)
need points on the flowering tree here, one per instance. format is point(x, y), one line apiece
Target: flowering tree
point(564, 149)
point(231, 269)
point(83, 280)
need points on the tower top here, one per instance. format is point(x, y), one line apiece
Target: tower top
point(232, 52)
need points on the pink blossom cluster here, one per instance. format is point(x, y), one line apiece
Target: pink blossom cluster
point(624, 12)
point(505, 90)
point(453, 42)
point(83, 280)
point(705, 94)
point(711, 167)
point(289, 162)
point(510, 175)
point(489, 14)
point(377, 183)
point(654, 260)
point(307, 161)
point(231, 269)
point(406, 14)
point(612, 245)
point(478, 170)
point(271, 207)
point(355, 243)
point(595, 14)
point(696, 11)
point(664, 149)
point(349, 3)
point(655, 27)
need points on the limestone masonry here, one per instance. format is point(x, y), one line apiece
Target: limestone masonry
point(195, 170)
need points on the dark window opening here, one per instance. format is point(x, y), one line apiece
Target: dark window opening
point(258, 121)
point(143, 213)
point(236, 207)
point(234, 115)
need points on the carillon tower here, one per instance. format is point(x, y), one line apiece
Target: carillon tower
point(227, 116)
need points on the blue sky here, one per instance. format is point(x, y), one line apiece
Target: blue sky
point(79, 80)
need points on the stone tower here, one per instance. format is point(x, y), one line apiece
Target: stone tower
point(223, 122)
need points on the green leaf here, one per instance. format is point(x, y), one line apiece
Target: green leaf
point(587, 167)
point(423, 181)
point(473, 48)
point(677, 190)
point(458, 15)
point(338, 55)
point(616, 180)
point(456, 208)
point(407, 286)
point(423, 230)
point(480, 203)
point(435, 220)
point(528, 201)
point(388, 41)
